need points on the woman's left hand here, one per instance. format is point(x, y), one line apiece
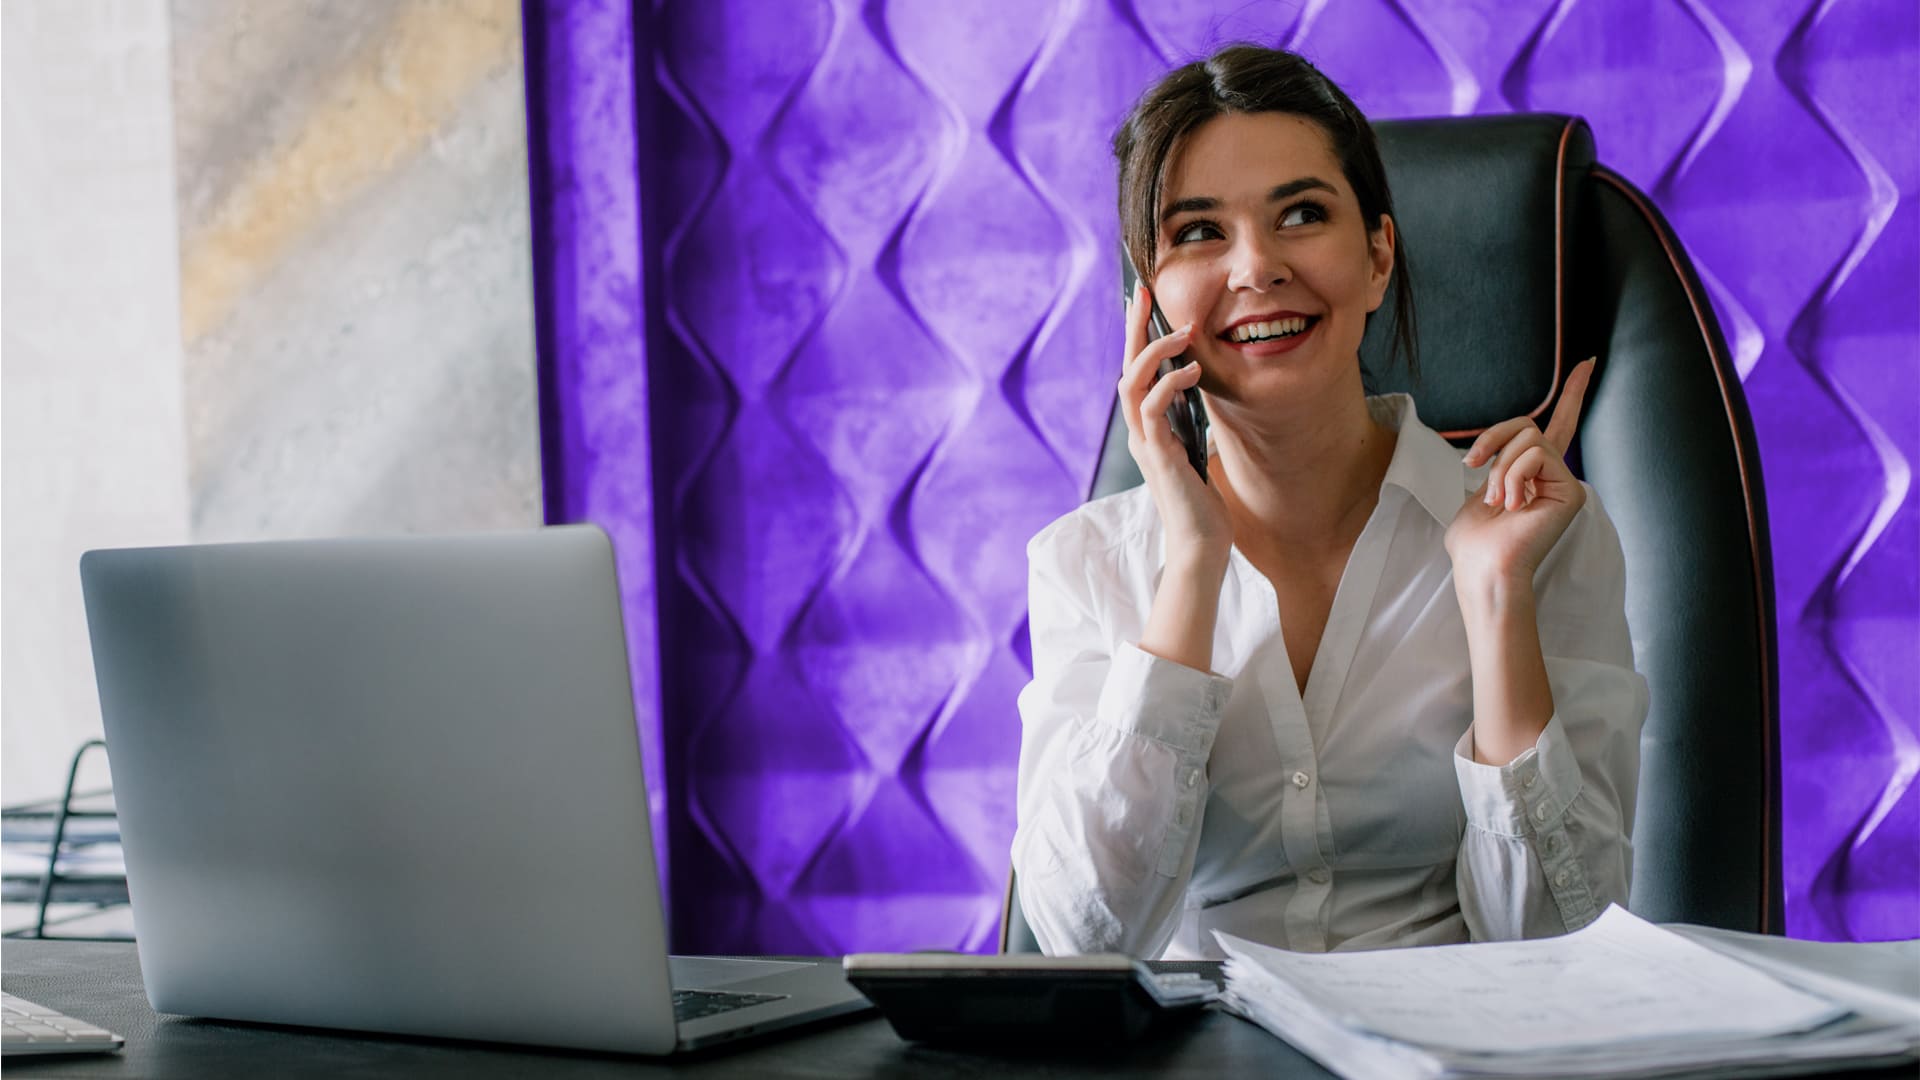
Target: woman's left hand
point(1506, 528)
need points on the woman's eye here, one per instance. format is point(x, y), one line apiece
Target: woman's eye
point(1306, 213)
point(1199, 230)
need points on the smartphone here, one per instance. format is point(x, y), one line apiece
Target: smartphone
point(1187, 415)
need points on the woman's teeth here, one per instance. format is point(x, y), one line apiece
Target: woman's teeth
point(1261, 331)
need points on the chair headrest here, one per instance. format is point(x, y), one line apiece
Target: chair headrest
point(1486, 206)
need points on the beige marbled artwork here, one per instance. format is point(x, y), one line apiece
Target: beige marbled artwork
point(355, 279)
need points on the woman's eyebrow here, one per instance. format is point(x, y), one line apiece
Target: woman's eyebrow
point(1280, 191)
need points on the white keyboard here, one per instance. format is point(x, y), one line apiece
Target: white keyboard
point(26, 1028)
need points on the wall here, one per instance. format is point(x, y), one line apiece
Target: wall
point(267, 275)
point(880, 327)
point(94, 447)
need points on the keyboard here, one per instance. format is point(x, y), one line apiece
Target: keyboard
point(27, 1028)
point(694, 1004)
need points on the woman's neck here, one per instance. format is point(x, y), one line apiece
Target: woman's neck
point(1302, 479)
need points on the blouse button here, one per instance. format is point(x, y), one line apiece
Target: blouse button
point(1193, 777)
point(1301, 780)
point(1560, 878)
point(1528, 781)
point(1540, 812)
point(1319, 876)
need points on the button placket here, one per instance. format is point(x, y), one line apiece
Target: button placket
point(1571, 893)
point(1298, 812)
point(1193, 754)
point(1561, 872)
point(1187, 800)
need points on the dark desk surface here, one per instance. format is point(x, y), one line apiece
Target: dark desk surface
point(100, 982)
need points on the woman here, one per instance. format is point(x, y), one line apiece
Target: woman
point(1352, 690)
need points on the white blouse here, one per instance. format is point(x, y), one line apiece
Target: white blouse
point(1158, 803)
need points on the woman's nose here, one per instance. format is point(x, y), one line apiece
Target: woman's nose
point(1257, 264)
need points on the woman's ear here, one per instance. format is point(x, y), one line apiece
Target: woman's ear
point(1381, 244)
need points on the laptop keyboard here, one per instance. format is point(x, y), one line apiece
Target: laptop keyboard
point(27, 1028)
point(694, 1004)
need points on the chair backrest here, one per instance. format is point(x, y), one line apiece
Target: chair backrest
point(1528, 256)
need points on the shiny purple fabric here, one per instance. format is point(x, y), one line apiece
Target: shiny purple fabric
point(875, 347)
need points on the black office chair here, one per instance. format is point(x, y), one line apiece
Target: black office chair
point(1528, 256)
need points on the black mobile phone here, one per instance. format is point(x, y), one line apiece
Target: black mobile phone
point(1187, 415)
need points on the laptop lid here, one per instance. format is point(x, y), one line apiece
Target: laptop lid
point(384, 784)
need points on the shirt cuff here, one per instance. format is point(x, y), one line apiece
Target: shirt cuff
point(1527, 796)
point(1180, 708)
point(1163, 700)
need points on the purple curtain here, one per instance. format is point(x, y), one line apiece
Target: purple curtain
point(828, 329)
point(589, 300)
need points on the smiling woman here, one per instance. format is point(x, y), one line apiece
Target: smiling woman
point(1224, 231)
point(1348, 689)
point(1262, 87)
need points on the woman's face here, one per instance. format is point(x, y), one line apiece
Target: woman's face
point(1263, 248)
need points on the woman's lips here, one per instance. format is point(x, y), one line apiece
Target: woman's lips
point(1274, 346)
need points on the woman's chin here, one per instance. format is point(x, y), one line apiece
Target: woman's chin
point(1293, 370)
point(1266, 386)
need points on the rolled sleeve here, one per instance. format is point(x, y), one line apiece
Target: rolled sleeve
point(1548, 840)
point(1526, 795)
point(1163, 700)
point(1113, 758)
point(1520, 842)
point(1179, 707)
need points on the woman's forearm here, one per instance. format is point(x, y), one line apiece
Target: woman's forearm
point(1512, 700)
point(1185, 608)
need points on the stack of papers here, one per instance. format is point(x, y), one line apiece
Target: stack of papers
point(1619, 998)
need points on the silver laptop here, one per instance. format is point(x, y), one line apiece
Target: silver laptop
point(394, 785)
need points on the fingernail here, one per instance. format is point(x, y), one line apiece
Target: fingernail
point(1184, 331)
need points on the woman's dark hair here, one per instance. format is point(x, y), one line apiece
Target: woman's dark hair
point(1253, 79)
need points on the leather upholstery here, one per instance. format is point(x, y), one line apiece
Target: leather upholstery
point(1528, 257)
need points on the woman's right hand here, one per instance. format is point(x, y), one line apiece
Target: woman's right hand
point(1191, 509)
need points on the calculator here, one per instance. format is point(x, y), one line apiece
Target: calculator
point(961, 999)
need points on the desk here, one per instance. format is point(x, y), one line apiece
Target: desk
point(100, 982)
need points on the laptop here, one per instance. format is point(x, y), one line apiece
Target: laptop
point(394, 785)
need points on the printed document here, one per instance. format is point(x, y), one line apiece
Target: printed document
point(1618, 997)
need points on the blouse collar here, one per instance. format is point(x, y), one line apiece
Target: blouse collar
point(1424, 465)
